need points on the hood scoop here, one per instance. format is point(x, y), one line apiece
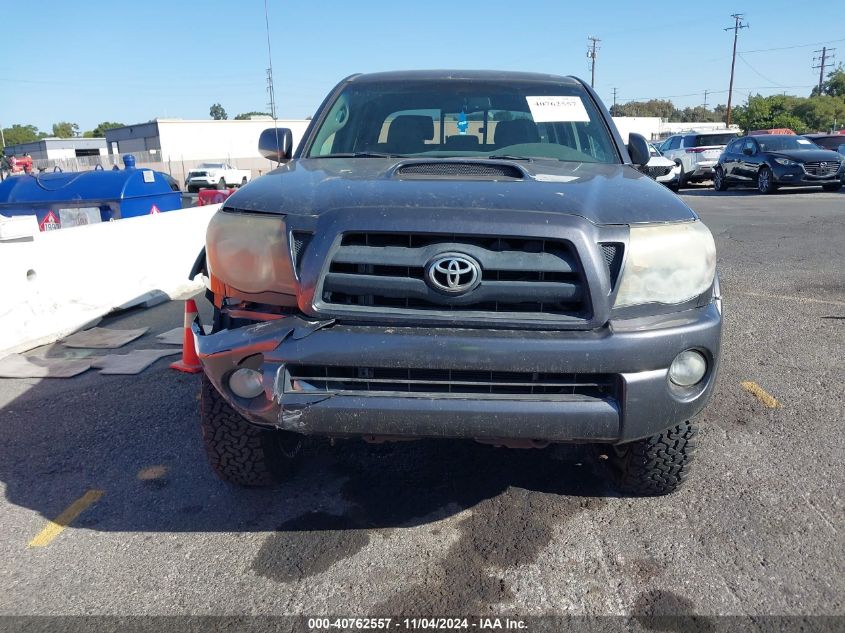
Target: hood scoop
point(444, 169)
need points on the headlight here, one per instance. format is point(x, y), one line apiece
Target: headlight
point(785, 162)
point(667, 263)
point(250, 252)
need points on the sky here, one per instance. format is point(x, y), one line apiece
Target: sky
point(90, 61)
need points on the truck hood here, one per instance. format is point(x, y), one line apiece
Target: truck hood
point(600, 193)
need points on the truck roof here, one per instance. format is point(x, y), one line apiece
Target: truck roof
point(468, 75)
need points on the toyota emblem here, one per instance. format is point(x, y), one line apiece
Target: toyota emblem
point(453, 273)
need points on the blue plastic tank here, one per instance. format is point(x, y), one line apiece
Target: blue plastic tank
point(119, 193)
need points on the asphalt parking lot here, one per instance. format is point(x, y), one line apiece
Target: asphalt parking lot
point(449, 528)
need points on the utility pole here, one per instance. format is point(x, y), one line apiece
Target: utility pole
point(591, 55)
point(614, 98)
point(705, 99)
point(271, 92)
point(270, 69)
point(824, 60)
point(736, 27)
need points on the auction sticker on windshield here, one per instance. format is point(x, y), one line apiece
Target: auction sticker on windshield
point(557, 109)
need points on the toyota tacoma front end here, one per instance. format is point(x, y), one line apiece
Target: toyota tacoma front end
point(459, 255)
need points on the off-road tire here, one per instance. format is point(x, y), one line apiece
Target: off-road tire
point(239, 452)
point(656, 465)
point(835, 187)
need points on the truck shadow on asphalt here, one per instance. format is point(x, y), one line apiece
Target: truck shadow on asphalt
point(137, 439)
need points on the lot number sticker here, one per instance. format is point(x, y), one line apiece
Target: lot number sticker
point(557, 109)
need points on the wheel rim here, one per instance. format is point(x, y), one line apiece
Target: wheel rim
point(763, 180)
point(718, 179)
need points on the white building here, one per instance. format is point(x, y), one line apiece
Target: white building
point(196, 139)
point(59, 148)
point(653, 127)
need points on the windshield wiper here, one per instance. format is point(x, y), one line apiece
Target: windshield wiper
point(511, 157)
point(360, 155)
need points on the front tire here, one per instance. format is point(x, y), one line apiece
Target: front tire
point(719, 183)
point(682, 177)
point(239, 452)
point(834, 187)
point(765, 181)
point(656, 465)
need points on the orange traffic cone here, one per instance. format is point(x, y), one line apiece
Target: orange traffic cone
point(190, 362)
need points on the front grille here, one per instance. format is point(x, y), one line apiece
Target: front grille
point(613, 253)
point(299, 241)
point(386, 272)
point(452, 169)
point(823, 168)
point(195, 174)
point(655, 172)
point(387, 381)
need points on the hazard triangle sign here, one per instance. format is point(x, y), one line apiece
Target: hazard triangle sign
point(154, 210)
point(50, 222)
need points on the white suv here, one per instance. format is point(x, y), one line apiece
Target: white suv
point(696, 153)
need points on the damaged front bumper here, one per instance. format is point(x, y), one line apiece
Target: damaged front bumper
point(633, 355)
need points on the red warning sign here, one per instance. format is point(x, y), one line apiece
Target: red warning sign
point(154, 210)
point(50, 222)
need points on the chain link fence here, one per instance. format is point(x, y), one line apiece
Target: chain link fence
point(150, 160)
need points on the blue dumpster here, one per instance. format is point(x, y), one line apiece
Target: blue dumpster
point(73, 198)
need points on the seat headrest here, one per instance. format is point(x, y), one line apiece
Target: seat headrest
point(462, 142)
point(516, 132)
point(408, 132)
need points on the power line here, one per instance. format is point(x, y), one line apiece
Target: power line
point(736, 27)
point(757, 72)
point(826, 55)
point(591, 55)
point(786, 48)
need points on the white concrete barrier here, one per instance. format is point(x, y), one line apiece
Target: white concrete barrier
point(62, 280)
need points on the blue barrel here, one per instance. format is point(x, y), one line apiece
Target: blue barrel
point(116, 194)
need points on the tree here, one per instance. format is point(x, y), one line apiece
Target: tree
point(100, 130)
point(18, 134)
point(820, 114)
point(65, 129)
point(834, 86)
point(653, 107)
point(246, 116)
point(776, 111)
point(217, 112)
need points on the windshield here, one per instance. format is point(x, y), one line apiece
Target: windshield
point(465, 119)
point(705, 140)
point(778, 143)
point(829, 142)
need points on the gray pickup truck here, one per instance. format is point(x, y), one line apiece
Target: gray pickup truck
point(453, 254)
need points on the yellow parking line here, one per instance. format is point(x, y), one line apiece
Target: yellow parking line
point(762, 395)
point(55, 527)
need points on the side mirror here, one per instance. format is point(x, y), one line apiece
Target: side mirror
point(748, 151)
point(276, 144)
point(638, 149)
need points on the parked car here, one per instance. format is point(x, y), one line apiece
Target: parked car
point(771, 161)
point(219, 175)
point(662, 169)
point(696, 153)
point(402, 275)
point(833, 142)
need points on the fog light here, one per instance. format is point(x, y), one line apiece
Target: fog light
point(688, 368)
point(246, 383)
